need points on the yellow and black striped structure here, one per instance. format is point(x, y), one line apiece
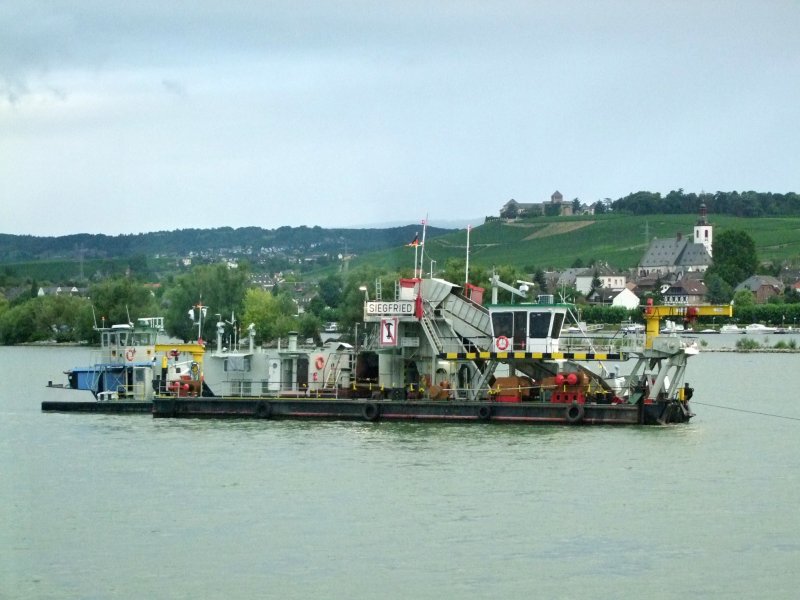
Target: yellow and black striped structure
point(621, 356)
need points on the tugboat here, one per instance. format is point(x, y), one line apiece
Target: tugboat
point(435, 352)
point(131, 368)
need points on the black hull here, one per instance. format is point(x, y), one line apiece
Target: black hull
point(112, 408)
point(657, 413)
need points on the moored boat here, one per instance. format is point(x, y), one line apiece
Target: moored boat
point(131, 367)
point(435, 352)
point(759, 328)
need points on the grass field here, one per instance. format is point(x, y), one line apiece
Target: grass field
point(558, 242)
point(544, 242)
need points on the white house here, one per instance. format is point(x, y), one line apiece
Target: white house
point(626, 299)
point(608, 279)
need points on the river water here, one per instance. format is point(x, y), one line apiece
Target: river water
point(98, 506)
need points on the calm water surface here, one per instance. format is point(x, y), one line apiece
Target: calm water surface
point(95, 506)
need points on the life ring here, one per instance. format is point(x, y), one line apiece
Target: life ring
point(485, 412)
point(130, 353)
point(574, 413)
point(319, 363)
point(370, 411)
point(263, 410)
point(195, 371)
point(174, 353)
point(501, 343)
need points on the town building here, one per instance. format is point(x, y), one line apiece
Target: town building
point(763, 287)
point(556, 207)
point(673, 258)
point(686, 291)
point(608, 279)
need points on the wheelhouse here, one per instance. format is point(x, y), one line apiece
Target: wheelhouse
point(528, 327)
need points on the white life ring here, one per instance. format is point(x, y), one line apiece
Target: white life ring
point(501, 342)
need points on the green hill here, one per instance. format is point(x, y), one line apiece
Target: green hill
point(557, 242)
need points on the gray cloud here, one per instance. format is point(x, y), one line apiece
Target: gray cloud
point(337, 113)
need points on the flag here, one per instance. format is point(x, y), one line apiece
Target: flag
point(415, 241)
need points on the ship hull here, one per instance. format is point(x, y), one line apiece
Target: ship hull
point(657, 413)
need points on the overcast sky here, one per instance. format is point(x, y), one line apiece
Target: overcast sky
point(127, 117)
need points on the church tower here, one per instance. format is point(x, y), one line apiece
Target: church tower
point(703, 233)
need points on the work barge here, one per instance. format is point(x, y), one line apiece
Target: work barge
point(434, 352)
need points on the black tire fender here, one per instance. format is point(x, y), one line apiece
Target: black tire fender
point(263, 410)
point(370, 411)
point(484, 412)
point(574, 413)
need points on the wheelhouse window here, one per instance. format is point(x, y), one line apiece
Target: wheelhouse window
point(503, 324)
point(520, 330)
point(539, 324)
point(558, 322)
point(513, 325)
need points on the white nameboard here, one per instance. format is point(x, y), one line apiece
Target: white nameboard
point(399, 307)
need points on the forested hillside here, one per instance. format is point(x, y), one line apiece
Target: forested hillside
point(18, 248)
point(737, 204)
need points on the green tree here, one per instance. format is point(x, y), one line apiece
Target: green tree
point(122, 300)
point(718, 291)
point(735, 257)
point(511, 210)
point(273, 315)
point(596, 282)
point(309, 327)
point(540, 280)
point(330, 290)
point(220, 289)
point(743, 299)
point(59, 318)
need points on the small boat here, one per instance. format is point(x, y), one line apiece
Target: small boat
point(671, 327)
point(731, 328)
point(130, 368)
point(629, 327)
point(759, 328)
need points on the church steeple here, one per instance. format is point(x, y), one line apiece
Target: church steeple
point(703, 232)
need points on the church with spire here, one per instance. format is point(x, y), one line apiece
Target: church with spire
point(671, 259)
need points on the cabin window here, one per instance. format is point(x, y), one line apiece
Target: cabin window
point(539, 324)
point(503, 324)
point(520, 330)
point(236, 363)
point(558, 321)
point(143, 339)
